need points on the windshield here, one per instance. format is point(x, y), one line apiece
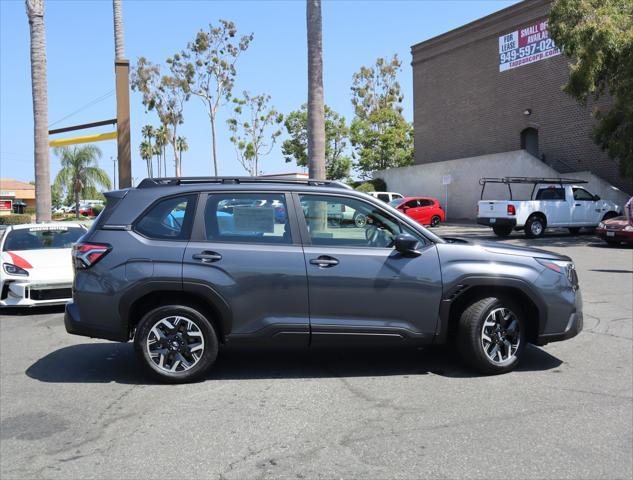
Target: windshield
point(40, 238)
point(396, 202)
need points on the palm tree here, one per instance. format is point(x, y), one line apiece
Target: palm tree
point(162, 139)
point(80, 171)
point(181, 146)
point(316, 106)
point(147, 153)
point(39, 88)
point(119, 44)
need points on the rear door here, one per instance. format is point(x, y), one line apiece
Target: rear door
point(245, 250)
point(360, 287)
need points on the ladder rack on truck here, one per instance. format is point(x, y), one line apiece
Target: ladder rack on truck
point(526, 181)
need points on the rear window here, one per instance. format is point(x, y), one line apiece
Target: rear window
point(40, 238)
point(551, 194)
point(169, 219)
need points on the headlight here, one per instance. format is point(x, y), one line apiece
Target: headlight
point(628, 228)
point(14, 270)
point(564, 267)
point(601, 225)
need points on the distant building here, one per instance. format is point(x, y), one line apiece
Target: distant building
point(494, 85)
point(14, 193)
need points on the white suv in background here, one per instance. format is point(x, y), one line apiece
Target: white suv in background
point(386, 196)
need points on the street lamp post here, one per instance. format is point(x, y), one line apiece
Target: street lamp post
point(114, 161)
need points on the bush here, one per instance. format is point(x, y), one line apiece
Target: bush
point(15, 219)
point(378, 185)
point(365, 187)
point(29, 210)
point(97, 209)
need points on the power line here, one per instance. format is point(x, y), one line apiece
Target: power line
point(87, 105)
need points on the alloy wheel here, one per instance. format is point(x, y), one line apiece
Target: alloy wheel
point(500, 335)
point(175, 344)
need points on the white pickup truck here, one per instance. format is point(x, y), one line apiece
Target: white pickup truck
point(555, 202)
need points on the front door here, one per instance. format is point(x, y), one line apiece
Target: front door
point(360, 288)
point(583, 207)
point(248, 256)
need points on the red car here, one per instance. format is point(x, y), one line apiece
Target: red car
point(615, 231)
point(424, 210)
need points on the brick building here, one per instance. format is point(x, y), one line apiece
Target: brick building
point(494, 85)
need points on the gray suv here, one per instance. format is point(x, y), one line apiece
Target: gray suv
point(184, 265)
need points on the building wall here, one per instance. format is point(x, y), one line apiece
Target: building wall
point(464, 191)
point(463, 105)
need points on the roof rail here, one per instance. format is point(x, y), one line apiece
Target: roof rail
point(171, 181)
point(530, 180)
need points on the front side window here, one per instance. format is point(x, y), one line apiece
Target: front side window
point(348, 222)
point(40, 238)
point(169, 219)
point(582, 194)
point(412, 204)
point(247, 218)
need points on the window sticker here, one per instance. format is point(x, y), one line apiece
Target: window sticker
point(254, 219)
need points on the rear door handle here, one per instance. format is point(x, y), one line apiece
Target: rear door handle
point(324, 261)
point(207, 257)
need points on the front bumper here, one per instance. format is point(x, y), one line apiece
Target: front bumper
point(20, 293)
point(573, 326)
point(615, 235)
point(497, 222)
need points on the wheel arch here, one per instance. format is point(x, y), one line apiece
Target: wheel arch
point(196, 295)
point(538, 214)
point(471, 290)
point(609, 214)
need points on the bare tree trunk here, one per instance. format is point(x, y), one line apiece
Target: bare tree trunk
point(119, 43)
point(316, 109)
point(213, 149)
point(176, 157)
point(39, 87)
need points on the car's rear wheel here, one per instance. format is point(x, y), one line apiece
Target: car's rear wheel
point(435, 220)
point(502, 231)
point(176, 343)
point(535, 227)
point(491, 335)
point(360, 220)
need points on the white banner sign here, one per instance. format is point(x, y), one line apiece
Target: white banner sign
point(526, 45)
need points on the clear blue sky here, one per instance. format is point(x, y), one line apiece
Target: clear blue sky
point(80, 50)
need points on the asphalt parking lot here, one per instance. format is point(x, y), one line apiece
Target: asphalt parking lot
point(72, 407)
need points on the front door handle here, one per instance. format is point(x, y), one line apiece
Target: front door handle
point(207, 257)
point(578, 205)
point(324, 261)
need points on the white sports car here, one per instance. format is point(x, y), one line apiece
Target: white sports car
point(36, 262)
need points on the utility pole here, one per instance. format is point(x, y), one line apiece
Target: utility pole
point(114, 160)
point(122, 73)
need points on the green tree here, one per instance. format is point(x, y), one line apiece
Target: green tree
point(166, 94)
point(80, 172)
point(146, 148)
point(182, 146)
point(207, 69)
point(337, 163)
point(379, 132)
point(250, 129)
point(598, 36)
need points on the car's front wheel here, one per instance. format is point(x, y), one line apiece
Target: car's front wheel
point(176, 343)
point(491, 335)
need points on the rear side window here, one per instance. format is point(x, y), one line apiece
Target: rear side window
point(247, 218)
point(169, 219)
point(384, 197)
point(426, 203)
point(551, 194)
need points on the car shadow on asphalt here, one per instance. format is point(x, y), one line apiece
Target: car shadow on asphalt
point(116, 362)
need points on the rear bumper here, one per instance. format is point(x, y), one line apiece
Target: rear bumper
point(497, 222)
point(77, 326)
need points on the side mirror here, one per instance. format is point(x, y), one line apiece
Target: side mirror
point(596, 198)
point(407, 244)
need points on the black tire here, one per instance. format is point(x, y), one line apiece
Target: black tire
point(200, 366)
point(613, 243)
point(535, 227)
point(469, 336)
point(435, 221)
point(574, 230)
point(502, 231)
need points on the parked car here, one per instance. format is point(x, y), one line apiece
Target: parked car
point(37, 263)
point(555, 202)
point(616, 231)
point(424, 210)
point(385, 196)
point(181, 289)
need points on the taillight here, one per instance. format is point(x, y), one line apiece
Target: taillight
point(511, 209)
point(87, 254)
